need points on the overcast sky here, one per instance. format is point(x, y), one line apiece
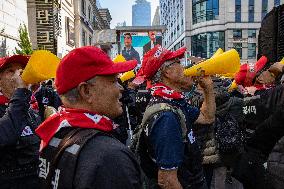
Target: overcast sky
point(121, 10)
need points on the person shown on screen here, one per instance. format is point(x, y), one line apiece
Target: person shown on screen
point(154, 40)
point(129, 53)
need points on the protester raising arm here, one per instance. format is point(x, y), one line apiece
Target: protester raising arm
point(208, 108)
point(15, 118)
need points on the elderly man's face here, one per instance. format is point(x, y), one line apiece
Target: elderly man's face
point(175, 75)
point(106, 93)
point(6, 74)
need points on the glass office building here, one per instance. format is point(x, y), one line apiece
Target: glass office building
point(141, 13)
point(204, 10)
point(205, 44)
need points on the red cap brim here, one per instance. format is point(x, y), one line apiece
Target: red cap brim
point(120, 67)
point(22, 59)
point(177, 54)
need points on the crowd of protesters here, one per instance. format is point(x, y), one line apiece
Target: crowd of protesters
point(162, 129)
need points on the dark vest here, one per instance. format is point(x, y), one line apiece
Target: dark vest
point(190, 174)
point(21, 159)
point(59, 159)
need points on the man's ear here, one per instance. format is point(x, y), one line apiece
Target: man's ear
point(84, 91)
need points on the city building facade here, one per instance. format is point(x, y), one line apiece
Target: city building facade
point(203, 26)
point(89, 18)
point(66, 39)
point(62, 25)
point(141, 13)
point(84, 19)
point(12, 15)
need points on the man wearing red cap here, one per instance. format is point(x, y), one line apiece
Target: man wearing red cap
point(77, 148)
point(169, 153)
point(18, 143)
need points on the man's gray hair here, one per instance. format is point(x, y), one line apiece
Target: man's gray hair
point(73, 95)
point(157, 78)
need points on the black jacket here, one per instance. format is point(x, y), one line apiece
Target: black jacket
point(101, 162)
point(269, 129)
point(18, 144)
point(263, 104)
point(275, 165)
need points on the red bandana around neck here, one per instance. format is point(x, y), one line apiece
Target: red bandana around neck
point(71, 118)
point(165, 92)
point(3, 99)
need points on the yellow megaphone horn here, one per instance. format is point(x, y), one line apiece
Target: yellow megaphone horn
point(233, 86)
point(227, 62)
point(282, 61)
point(226, 75)
point(42, 66)
point(127, 75)
point(217, 53)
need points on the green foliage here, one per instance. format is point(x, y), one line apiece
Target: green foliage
point(25, 46)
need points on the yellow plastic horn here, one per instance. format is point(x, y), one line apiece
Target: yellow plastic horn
point(217, 53)
point(227, 62)
point(282, 61)
point(42, 66)
point(119, 58)
point(127, 75)
point(233, 86)
point(227, 75)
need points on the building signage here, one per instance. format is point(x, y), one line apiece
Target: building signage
point(48, 24)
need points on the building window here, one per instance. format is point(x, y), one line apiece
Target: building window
point(83, 6)
point(238, 47)
point(70, 34)
point(237, 33)
point(89, 13)
point(205, 44)
point(276, 3)
point(251, 50)
point(251, 11)
point(238, 11)
point(90, 40)
point(252, 33)
point(264, 8)
point(204, 10)
point(84, 39)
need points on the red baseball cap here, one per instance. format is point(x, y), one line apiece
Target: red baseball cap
point(22, 59)
point(248, 72)
point(82, 64)
point(153, 60)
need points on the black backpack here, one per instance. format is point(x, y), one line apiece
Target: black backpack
point(229, 135)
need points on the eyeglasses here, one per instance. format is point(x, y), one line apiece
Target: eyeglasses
point(127, 37)
point(168, 64)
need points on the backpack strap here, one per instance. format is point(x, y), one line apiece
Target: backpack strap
point(160, 107)
point(75, 136)
point(150, 112)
